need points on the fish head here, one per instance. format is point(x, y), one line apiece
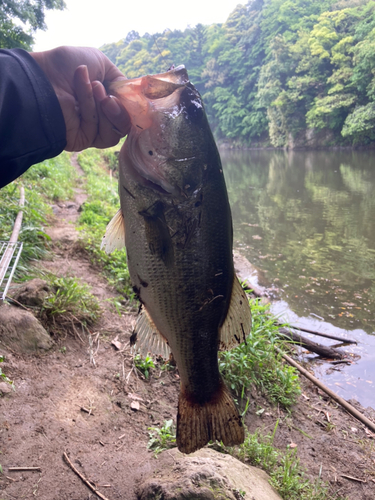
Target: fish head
point(168, 133)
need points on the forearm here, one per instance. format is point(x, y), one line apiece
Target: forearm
point(32, 126)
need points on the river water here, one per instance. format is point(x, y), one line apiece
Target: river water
point(306, 221)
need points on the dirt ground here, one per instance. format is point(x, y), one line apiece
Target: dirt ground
point(81, 399)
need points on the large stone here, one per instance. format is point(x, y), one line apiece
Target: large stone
point(204, 475)
point(33, 292)
point(21, 331)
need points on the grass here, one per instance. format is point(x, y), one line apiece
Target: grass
point(162, 438)
point(144, 365)
point(256, 362)
point(97, 211)
point(71, 302)
point(287, 475)
point(49, 181)
point(3, 377)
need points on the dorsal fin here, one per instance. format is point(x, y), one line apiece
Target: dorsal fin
point(147, 337)
point(237, 324)
point(114, 237)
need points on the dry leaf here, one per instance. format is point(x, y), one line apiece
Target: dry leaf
point(117, 344)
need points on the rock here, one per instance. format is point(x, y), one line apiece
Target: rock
point(21, 331)
point(33, 292)
point(5, 388)
point(204, 475)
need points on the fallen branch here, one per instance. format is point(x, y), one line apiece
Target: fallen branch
point(82, 477)
point(24, 468)
point(348, 407)
point(326, 335)
point(322, 350)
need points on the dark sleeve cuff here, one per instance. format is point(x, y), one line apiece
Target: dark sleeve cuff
point(32, 126)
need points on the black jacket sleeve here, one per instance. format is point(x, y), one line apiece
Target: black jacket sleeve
point(32, 126)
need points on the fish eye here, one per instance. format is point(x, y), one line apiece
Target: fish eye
point(150, 153)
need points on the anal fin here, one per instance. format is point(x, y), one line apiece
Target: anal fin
point(237, 324)
point(114, 237)
point(147, 337)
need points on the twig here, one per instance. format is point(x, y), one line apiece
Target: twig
point(23, 468)
point(75, 329)
point(348, 407)
point(353, 478)
point(82, 477)
point(10, 299)
point(90, 349)
point(87, 411)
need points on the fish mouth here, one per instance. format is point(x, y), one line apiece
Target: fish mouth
point(149, 100)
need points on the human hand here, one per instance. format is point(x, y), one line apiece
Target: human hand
point(77, 74)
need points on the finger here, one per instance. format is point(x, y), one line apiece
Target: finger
point(116, 114)
point(108, 134)
point(88, 127)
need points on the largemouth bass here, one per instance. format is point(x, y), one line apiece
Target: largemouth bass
point(178, 235)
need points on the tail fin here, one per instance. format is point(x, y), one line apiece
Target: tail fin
point(217, 419)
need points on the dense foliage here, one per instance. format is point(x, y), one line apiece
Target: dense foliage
point(288, 72)
point(19, 19)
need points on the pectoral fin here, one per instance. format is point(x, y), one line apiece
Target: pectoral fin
point(114, 237)
point(237, 324)
point(148, 338)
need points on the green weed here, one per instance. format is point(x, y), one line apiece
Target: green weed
point(259, 451)
point(3, 377)
point(71, 301)
point(144, 365)
point(168, 365)
point(54, 178)
point(291, 483)
point(287, 475)
point(163, 438)
point(256, 362)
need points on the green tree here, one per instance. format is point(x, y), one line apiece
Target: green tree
point(276, 70)
point(30, 13)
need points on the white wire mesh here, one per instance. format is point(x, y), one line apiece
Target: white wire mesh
point(9, 256)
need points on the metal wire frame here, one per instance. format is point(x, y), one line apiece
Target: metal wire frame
point(9, 256)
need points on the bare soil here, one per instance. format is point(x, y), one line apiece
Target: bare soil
point(81, 399)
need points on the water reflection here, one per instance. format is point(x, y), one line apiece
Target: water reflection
point(307, 221)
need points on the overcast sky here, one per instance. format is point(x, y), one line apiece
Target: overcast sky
point(93, 23)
